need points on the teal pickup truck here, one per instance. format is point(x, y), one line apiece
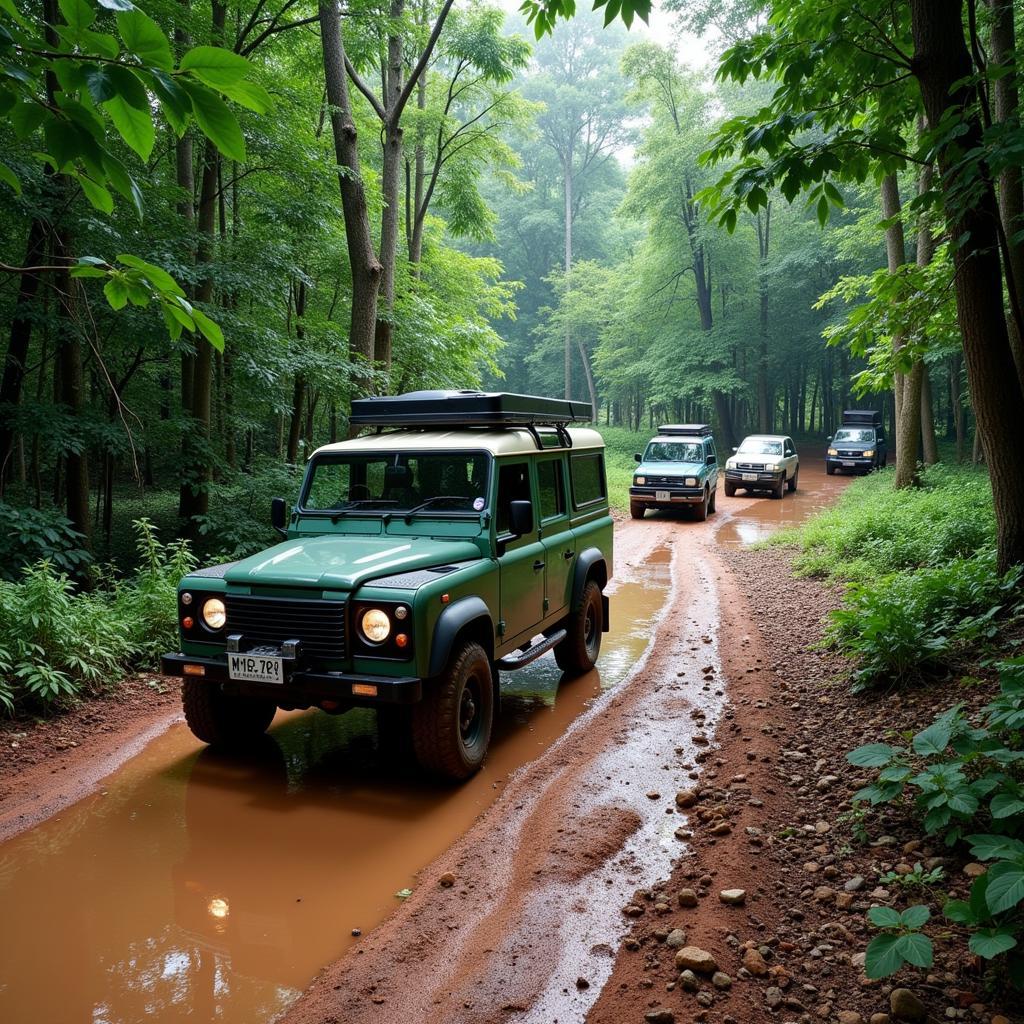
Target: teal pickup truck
point(467, 534)
point(678, 469)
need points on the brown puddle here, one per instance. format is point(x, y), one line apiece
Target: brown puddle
point(206, 887)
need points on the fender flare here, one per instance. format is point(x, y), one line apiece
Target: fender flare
point(452, 620)
point(590, 564)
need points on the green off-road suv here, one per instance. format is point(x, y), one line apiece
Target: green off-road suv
point(468, 533)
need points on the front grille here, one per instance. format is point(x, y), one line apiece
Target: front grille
point(666, 481)
point(320, 625)
point(851, 455)
point(750, 465)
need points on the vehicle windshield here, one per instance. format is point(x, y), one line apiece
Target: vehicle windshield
point(857, 436)
point(674, 451)
point(758, 446)
point(380, 482)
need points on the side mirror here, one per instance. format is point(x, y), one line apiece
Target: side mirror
point(520, 517)
point(279, 516)
point(829, 438)
point(637, 457)
point(711, 460)
point(735, 450)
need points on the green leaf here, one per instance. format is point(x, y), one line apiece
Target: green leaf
point(963, 801)
point(102, 44)
point(990, 942)
point(1006, 805)
point(26, 118)
point(916, 949)
point(1005, 886)
point(217, 122)
point(158, 277)
point(9, 178)
point(883, 956)
point(249, 94)
point(174, 101)
point(78, 14)
point(144, 37)
point(209, 330)
point(214, 65)
point(932, 740)
point(123, 181)
point(915, 917)
point(99, 83)
point(884, 917)
point(96, 194)
point(958, 911)
point(872, 755)
point(129, 110)
point(822, 211)
point(986, 847)
point(116, 292)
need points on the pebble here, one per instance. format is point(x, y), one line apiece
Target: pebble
point(849, 1017)
point(447, 880)
point(721, 980)
point(854, 884)
point(686, 798)
point(676, 939)
point(906, 1006)
point(1000, 1019)
point(582, 983)
point(773, 996)
point(705, 998)
point(755, 963)
point(880, 1018)
point(974, 869)
point(694, 958)
point(733, 897)
point(688, 981)
point(660, 1017)
point(686, 898)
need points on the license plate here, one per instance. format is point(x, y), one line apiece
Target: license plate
point(749, 476)
point(255, 668)
point(662, 496)
point(849, 462)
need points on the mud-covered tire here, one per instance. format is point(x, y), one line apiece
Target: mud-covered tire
point(636, 510)
point(780, 488)
point(791, 484)
point(711, 501)
point(700, 512)
point(730, 490)
point(578, 652)
point(451, 725)
point(222, 720)
point(831, 470)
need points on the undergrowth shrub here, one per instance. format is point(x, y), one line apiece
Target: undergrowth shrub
point(57, 643)
point(28, 535)
point(964, 779)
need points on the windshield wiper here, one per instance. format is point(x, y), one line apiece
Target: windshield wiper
point(430, 501)
point(337, 513)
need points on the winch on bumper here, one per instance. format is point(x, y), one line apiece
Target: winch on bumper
point(290, 678)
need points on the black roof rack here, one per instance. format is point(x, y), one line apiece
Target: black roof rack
point(429, 409)
point(862, 417)
point(685, 429)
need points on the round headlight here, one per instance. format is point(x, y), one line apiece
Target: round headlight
point(641, 480)
point(214, 613)
point(375, 625)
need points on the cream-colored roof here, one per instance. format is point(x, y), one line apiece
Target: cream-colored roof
point(510, 441)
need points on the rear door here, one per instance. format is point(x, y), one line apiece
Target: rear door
point(556, 536)
point(521, 560)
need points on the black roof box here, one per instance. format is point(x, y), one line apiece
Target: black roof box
point(862, 418)
point(685, 429)
point(466, 409)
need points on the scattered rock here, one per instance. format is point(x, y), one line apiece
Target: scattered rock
point(906, 1006)
point(686, 898)
point(881, 1018)
point(676, 939)
point(582, 983)
point(755, 963)
point(849, 1017)
point(447, 880)
point(854, 884)
point(660, 1017)
point(721, 980)
point(974, 869)
point(694, 958)
point(686, 798)
point(688, 981)
point(773, 996)
point(705, 998)
point(734, 897)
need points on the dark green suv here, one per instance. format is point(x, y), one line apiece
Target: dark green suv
point(467, 533)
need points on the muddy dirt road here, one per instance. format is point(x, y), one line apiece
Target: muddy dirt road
point(193, 886)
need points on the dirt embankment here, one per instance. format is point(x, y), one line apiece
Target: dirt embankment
point(46, 765)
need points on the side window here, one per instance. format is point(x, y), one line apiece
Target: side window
point(551, 486)
point(513, 485)
point(587, 472)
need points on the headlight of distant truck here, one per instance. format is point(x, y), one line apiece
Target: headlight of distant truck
point(641, 480)
point(214, 614)
point(832, 451)
point(375, 625)
point(869, 453)
point(691, 481)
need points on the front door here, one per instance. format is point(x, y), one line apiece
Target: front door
point(521, 565)
point(558, 540)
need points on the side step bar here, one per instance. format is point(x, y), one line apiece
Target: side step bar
point(525, 655)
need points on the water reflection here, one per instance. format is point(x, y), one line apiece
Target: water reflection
point(208, 887)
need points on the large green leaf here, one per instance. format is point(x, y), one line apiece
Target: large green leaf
point(915, 917)
point(130, 112)
point(144, 37)
point(96, 194)
point(1006, 805)
point(932, 740)
point(116, 292)
point(217, 122)
point(883, 956)
point(884, 917)
point(78, 14)
point(986, 847)
point(990, 942)
point(1005, 886)
point(215, 66)
point(209, 330)
point(158, 277)
point(174, 101)
point(916, 949)
point(9, 178)
point(872, 755)
point(249, 94)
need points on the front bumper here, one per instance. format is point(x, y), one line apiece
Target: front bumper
point(849, 461)
point(301, 687)
point(649, 495)
point(765, 478)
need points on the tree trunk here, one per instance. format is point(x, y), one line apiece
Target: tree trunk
point(929, 446)
point(567, 193)
point(1006, 110)
point(365, 267)
point(942, 66)
point(957, 406)
point(896, 256)
point(764, 416)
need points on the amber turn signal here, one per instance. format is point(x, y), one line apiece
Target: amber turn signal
point(401, 640)
point(364, 690)
point(195, 670)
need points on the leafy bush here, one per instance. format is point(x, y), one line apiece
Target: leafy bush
point(28, 535)
point(56, 642)
point(961, 776)
point(896, 627)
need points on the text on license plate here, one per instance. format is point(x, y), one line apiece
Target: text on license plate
point(255, 668)
point(662, 496)
point(848, 462)
point(749, 476)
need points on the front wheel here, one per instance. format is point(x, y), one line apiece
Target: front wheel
point(636, 510)
point(701, 511)
point(711, 501)
point(451, 726)
point(793, 481)
point(830, 469)
point(224, 721)
point(780, 488)
point(578, 652)
point(730, 490)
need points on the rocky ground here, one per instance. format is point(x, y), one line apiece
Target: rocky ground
point(764, 918)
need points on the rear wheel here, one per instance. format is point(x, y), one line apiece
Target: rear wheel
point(578, 652)
point(730, 490)
point(222, 720)
point(701, 510)
point(636, 510)
point(451, 726)
point(792, 483)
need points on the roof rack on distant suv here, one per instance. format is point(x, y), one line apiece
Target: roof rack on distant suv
point(685, 429)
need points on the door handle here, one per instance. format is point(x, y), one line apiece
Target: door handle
point(568, 555)
point(538, 565)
